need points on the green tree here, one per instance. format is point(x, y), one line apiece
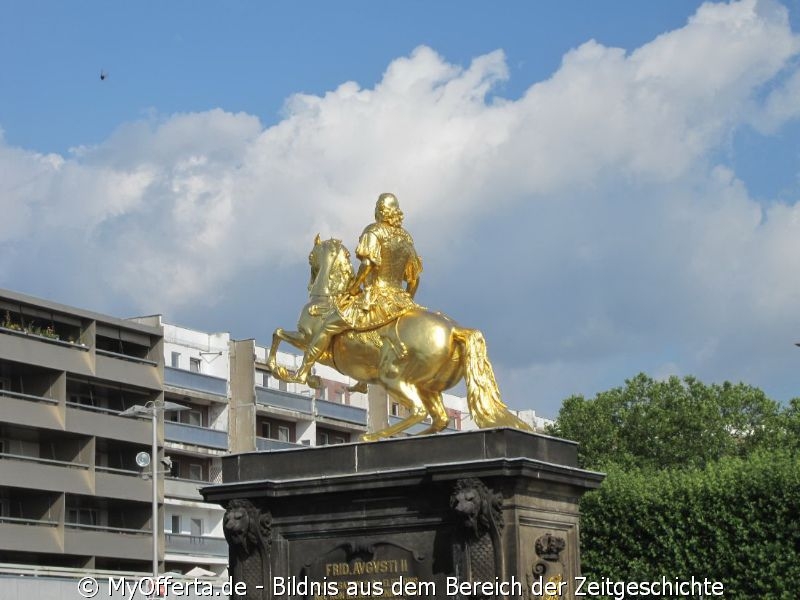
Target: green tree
point(674, 423)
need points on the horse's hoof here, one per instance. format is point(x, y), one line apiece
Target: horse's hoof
point(361, 387)
point(369, 437)
point(314, 381)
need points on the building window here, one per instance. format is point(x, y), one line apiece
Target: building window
point(82, 400)
point(194, 365)
point(337, 439)
point(175, 361)
point(197, 527)
point(265, 430)
point(195, 417)
point(283, 433)
point(196, 472)
point(176, 524)
point(322, 438)
point(395, 409)
point(82, 516)
point(281, 385)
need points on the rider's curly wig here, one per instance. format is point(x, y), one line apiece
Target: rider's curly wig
point(391, 216)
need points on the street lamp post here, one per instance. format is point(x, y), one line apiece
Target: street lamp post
point(151, 409)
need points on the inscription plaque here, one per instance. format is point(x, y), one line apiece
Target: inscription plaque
point(359, 571)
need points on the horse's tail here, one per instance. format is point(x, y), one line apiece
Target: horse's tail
point(483, 395)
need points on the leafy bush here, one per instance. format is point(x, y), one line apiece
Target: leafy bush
point(736, 521)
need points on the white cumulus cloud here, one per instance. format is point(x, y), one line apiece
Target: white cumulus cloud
point(589, 226)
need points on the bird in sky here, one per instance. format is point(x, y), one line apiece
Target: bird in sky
point(103, 75)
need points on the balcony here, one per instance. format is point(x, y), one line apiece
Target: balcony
point(342, 412)
point(44, 474)
point(198, 436)
point(180, 543)
point(103, 422)
point(107, 541)
point(196, 381)
point(45, 352)
point(266, 444)
point(30, 535)
point(183, 488)
point(285, 400)
point(140, 372)
point(122, 483)
point(10, 394)
point(32, 411)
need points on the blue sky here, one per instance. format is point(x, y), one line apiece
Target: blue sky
point(250, 56)
point(603, 188)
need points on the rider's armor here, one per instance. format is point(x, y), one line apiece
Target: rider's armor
point(395, 261)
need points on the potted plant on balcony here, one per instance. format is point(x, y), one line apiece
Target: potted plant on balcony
point(8, 323)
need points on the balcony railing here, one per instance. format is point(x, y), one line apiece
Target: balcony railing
point(10, 394)
point(288, 400)
point(343, 412)
point(269, 444)
point(180, 543)
point(106, 528)
point(27, 521)
point(44, 338)
point(196, 381)
point(191, 434)
point(42, 461)
point(128, 357)
point(117, 471)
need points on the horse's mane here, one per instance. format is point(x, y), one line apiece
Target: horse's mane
point(341, 269)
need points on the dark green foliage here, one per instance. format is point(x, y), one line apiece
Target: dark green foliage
point(735, 521)
point(664, 424)
point(702, 480)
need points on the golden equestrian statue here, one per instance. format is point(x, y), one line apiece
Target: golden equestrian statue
point(368, 327)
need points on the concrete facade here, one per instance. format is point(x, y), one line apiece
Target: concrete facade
point(71, 494)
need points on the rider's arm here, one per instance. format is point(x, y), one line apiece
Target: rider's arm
point(361, 276)
point(413, 271)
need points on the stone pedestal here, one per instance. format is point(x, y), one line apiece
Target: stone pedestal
point(480, 514)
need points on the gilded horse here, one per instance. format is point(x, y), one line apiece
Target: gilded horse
point(415, 358)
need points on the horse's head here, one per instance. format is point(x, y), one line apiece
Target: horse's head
point(331, 270)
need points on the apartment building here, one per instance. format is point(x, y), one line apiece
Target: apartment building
point(230, 402)
point(195, 377)
point(71, 494)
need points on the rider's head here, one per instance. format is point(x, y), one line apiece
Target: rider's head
point(387, 210)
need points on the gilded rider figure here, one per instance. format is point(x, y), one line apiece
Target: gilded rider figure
point(388, 261)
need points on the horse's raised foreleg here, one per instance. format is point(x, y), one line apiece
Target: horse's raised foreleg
point(295, 338)
point(407, 395)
